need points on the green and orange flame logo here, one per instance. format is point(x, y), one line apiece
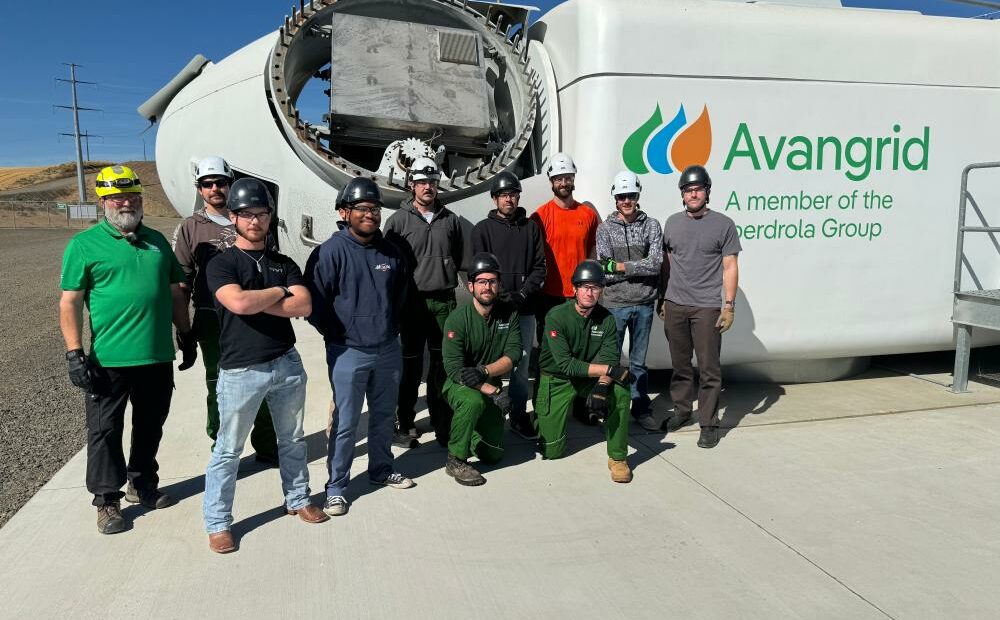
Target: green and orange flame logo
point(655, 147)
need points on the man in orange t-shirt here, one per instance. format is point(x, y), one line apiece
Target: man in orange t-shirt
point(570, 232)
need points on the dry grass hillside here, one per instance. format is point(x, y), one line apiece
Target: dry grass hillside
point(58, 184)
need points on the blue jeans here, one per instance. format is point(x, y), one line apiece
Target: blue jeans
point(354, 374)
point(638, 320)
point(519, 386)
point(282, 382)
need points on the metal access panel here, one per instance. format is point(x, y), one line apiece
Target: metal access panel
point(391, 80)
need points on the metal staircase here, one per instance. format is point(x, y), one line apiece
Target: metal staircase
point(977, 307)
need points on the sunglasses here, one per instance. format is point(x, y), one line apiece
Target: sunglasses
point(209, 183)
point(631, 196)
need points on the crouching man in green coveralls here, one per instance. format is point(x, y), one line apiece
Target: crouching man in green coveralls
point(580, 358)
point(482, 342)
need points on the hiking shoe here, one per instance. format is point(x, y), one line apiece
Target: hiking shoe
point(403, 439)
point(676, 422)
point(620, 471)
point(523, 427)
point(709, 437)
point(110, 519)
point(395, 480)
point(463, 473)
point(649, 423)
point(335, 506)
point(150, 498)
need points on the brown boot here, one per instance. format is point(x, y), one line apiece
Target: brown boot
point(620, 471)
point(221, 542)
point(309, 514)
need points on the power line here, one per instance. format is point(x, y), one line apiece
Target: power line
point(76, 127)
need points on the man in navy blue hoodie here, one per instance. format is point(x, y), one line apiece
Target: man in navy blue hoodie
point(358, 285)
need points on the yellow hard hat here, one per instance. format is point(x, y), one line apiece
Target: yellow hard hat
point(117, 180)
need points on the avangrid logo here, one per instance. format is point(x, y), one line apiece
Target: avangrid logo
point(665, 148)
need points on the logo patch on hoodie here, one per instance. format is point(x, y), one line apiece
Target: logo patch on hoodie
point(451, 334)
point(382, 267)
point(552, 333)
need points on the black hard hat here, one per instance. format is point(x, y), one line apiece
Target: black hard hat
point(505, 182)
point(692, 175)
point(588, 272)
point(249, 192)
point(483, 262)
point(359, 189)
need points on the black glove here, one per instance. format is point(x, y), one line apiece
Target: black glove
point(620, 374)
point(188, 345)
point(502, 400)
point(597, 400)
point(518, 299)
point(474, 376)
point(79, 374)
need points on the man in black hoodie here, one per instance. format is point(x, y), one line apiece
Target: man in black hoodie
point(430, 238)
point(518, 244)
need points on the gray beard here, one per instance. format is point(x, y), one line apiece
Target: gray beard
point(124, 222)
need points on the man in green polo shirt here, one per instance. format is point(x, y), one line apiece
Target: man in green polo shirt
point(128, 277)
point(580, 358)
point(482, 342)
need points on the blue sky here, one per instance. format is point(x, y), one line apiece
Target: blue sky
point(133, 49)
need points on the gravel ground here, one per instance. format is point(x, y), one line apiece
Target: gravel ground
point(41, 412)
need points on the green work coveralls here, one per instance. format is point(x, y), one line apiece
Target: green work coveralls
point(570, 343)
point(471, 340)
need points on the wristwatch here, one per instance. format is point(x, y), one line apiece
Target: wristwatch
point(285, 290)
point(731, 303)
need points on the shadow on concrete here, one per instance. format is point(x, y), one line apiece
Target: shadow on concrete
point(185, 489)
point(747, 399)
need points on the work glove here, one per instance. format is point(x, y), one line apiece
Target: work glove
point(518, 299)
point(661, 309)
point(620, 374)
point(610, 266)
point(725, 321)
point(188, 346)
point(597, 401)
point(79, 373)
point(474, 376)
point(502, 400)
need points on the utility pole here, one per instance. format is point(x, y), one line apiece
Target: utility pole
point(76, 128)
point(86, 136)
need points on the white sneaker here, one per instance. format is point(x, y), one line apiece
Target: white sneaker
point(335, 506)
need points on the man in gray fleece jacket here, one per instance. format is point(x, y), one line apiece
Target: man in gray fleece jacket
point(430, 238)
point(630, 248)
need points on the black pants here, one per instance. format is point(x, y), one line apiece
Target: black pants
point(692, 330)
point(149, 388)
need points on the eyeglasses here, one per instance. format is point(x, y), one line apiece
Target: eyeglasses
point(692, 190)
point(120, 199)
point(591, 288)
point(429, 182)
point(368, 210)
point(630, 196)
point(509, 195)
point(257, 215)
point(209, 183)
point(491, 282)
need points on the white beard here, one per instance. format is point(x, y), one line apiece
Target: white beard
point(125, 222)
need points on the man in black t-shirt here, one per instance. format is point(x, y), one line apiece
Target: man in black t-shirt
point(256, 291)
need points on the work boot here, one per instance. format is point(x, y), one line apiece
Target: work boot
point(521, 424)
point(620, 471)
point(709, 437)
point(308, 513)
point(110, 519)
point(649, 423)
point(677, 421)
point(150, 498)
point(404, 439)
point(463, 473)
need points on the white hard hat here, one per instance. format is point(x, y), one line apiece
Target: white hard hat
point(626, 183)
point(212, 165)
point(561, 163)
point(424, 168)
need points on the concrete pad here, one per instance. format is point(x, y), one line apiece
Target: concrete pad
point(889, 515)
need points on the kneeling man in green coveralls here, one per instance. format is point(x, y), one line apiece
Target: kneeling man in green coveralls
point(580, 358)
point(482, 342)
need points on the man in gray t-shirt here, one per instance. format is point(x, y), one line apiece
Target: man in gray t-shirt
point(698, 305)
